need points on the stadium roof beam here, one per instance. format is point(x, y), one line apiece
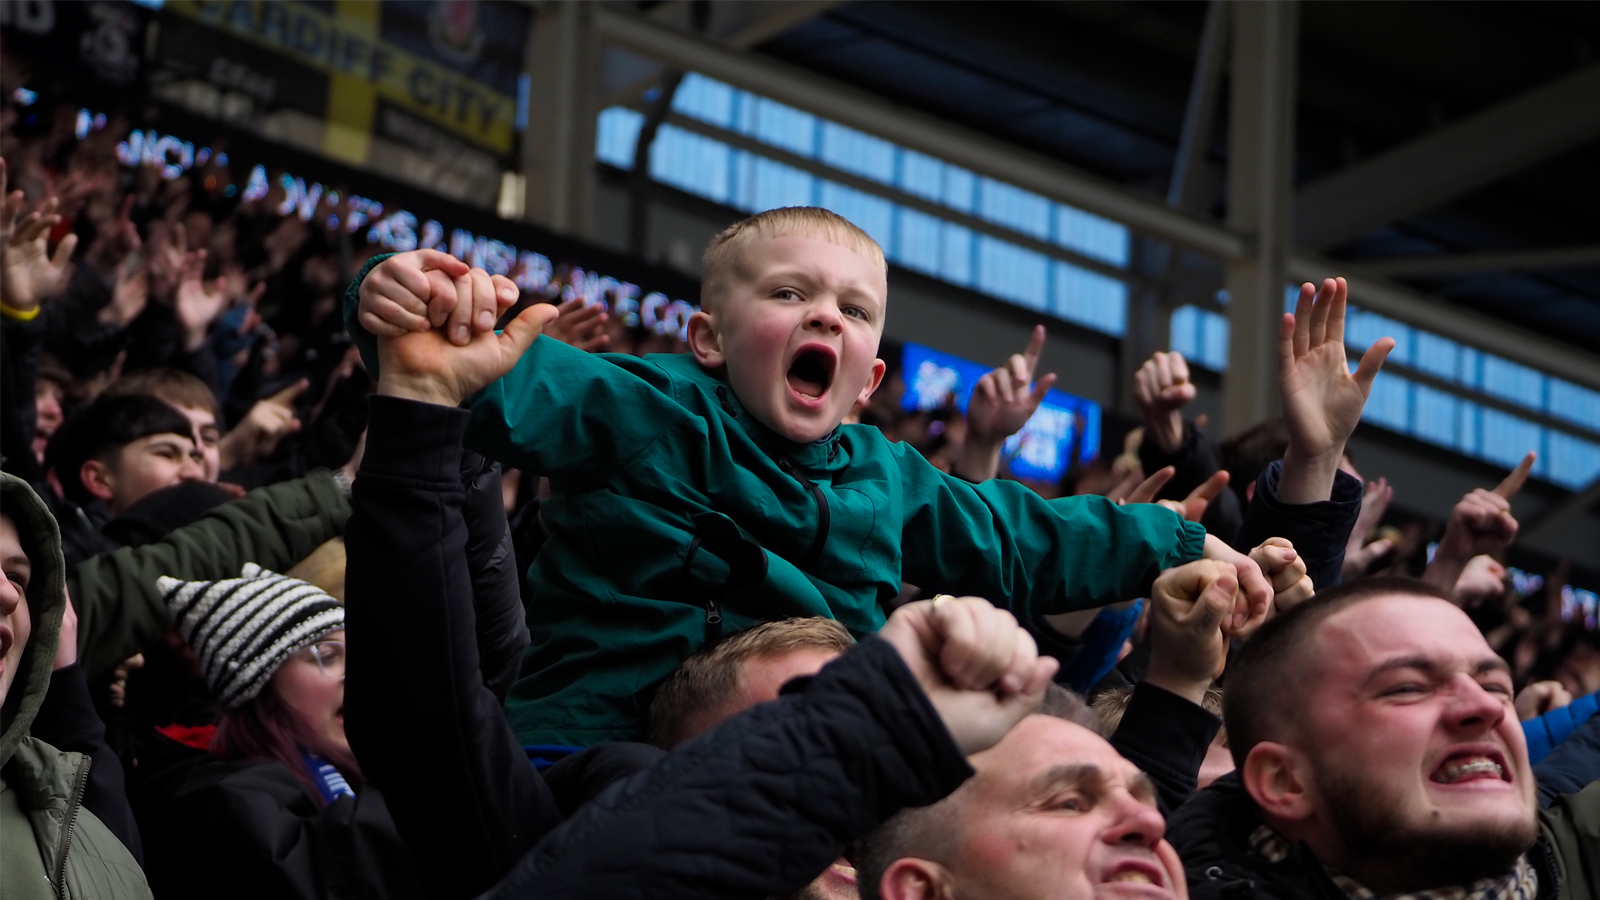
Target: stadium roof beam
point(1472, 263)
point(1065, 184)
point(1450, 161)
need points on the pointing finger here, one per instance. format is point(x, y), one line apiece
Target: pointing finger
point(1035, 347)
point(1150, 487)
point(1513, 482)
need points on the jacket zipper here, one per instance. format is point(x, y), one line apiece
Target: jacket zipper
point(823, 521)
point(80, 783)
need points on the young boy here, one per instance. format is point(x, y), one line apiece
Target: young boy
point(706, 492)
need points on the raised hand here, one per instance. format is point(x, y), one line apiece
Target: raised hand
point(398, 295)
point(1162, 389)
point(267, 423)
point(29, 275)
point(198, 302)
point(1483, 578)
point(1191, 507)
point(1358, 554)
point(1189, 607)
point(425, 366)
point(1539, 698)
point(1286, 569)
point(981, 670)
point(1481, 523)
point(1254, 601)
point(1002, 402)
point(130, 294)
point(1322, 399)
point(582, 325)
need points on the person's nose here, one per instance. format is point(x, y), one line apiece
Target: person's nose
point(1474, 708)
point(10, 596)
point(193, 468)
point(825, 316)
point(1134, 822)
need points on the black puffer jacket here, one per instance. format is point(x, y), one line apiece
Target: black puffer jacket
point(760, 805)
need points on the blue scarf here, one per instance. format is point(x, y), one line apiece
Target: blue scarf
point(330, 784)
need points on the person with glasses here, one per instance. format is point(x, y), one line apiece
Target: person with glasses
point(275, 805)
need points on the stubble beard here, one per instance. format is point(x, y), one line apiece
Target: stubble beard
point(1415, 855)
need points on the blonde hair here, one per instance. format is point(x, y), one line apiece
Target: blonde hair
point(725, 248)
point(699, 694)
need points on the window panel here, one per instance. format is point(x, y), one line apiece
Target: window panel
point(919, 242)
point(1574, 463)
point(692, 163)
point(1012, 273)
point(708, 100)
point(871, 214)
point(1214, 340)
point(1574, 403)
point(1434, 416)
point(1183, 335)
point(1015, 208)
point(956, 261)
point(1389, 404)
point(1090, 299)
point(774, 184)
point(921, 175)
point(1091, 235)
point(1517, 383)
point(1437, 356)
point(616, 136)
point(857, 152)
point(781, 126)
point(1505, 439)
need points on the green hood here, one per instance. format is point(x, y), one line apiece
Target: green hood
point(47, 596)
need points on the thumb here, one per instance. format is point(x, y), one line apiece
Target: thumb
point(1042, 387)
point(443, 262)
point(1214, 605)
point(520, 332)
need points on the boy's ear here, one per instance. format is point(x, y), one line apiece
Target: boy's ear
point(910, 878)
point(97, 479)
point(705, 342)
point(878, 368)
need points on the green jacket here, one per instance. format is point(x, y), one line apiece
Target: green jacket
point(1570, 831)
point(120, 611)
point(674, 517)
point(50, 845)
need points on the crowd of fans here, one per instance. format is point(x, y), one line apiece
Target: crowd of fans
point(702, 618)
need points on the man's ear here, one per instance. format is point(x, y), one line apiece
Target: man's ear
point(1277, 779)
point(705, 342)
point(878, 368)
point(97, 479)
point(915, 879)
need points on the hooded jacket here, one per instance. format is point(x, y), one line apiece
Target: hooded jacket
point(675, 516)
point(53, 846)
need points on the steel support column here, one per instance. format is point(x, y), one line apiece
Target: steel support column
point(1260, 150)
point(558, 147)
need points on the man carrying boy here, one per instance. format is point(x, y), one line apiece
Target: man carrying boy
point(715, 490)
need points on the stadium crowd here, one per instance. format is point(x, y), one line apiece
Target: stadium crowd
point(643, 617)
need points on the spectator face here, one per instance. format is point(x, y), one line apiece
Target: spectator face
point(15, 626)
point(207, 438)
point(797, 329)
point(316, 694)
point(1054, 812)
point(1411, 747)
point(47, 403)
point(141, 467)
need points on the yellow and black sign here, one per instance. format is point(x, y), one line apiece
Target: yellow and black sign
point(368, 62)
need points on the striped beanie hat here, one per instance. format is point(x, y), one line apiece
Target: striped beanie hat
point(241, 629)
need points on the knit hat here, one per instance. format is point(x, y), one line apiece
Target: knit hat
point(241, 629)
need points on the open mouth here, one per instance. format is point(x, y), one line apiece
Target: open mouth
point(1471, 765)
point(811, 373)
point(6, 639)
point(1144, 877)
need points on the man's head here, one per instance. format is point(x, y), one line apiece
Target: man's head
point(1375, 723)
point(793, 303)
point(120, 449)
point(188, 395)
point(1053, 812)
point(740, 671)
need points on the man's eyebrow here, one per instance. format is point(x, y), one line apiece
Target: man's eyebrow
point(1068, 774)
point(1143, 788)
point(16, 561)
point(1423, 664)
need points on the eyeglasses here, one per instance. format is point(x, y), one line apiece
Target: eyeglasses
point(329, 657)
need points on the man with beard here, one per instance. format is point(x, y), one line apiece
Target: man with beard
point(1378, 756)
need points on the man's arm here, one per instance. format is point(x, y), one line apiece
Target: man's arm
point(1319, 531)
point(764, 802)
point(414, 640)
point(119, 607)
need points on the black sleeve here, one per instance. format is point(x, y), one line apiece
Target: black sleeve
point(496, 582)
point(764, 802)
point(1194, 461)
point(1572, 765)
point(249, 830)
point(67, 721)
point(19, 370)
point(1319, 531)
point(1166, 736)
point(460, 784)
